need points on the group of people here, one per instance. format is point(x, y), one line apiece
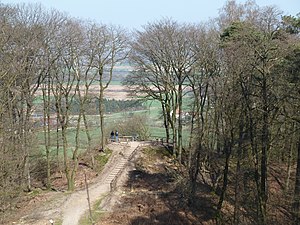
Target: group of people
point(114, 136)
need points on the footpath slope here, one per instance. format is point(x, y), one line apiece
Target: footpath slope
point(70, 208)
point(77, 204)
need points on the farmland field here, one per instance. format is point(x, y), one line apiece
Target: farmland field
point(116, 91)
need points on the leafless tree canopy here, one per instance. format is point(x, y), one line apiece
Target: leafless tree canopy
point(228, 91)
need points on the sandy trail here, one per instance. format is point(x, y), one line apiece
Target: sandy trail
point(77, 203)
point(72, 207)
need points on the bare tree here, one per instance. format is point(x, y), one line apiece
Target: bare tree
point(201, 84)
point(53, 22)
point(163, 59)
point(108, 47)
point(288, 74)
point(254, 47)
point(64, 90)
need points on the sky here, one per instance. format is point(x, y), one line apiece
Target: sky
point(133, 14)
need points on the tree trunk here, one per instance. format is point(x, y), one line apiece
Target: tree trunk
point(180, 122)
point(191, 136)
point(173, 123)
point(25, 134)
point(227, 150)
point(101, 115)
point(264, 153)
point(87, 131)
point(238, 175)
point(193, 173)
point(70, 178)
point(75, 152)
point(290, 157)
point(166, 121)
point(57, 134)
point(46, 128)
point(296, 203)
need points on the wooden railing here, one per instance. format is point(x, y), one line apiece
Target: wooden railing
point(124, 138)
point(113, 183)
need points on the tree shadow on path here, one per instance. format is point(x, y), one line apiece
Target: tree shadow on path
point(158, 199)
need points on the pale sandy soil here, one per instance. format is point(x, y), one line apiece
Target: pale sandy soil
point(69, 208)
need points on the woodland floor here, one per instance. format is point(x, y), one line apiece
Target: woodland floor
point(153, 192)
point(151, 189)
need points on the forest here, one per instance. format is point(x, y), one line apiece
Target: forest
point(237, 76)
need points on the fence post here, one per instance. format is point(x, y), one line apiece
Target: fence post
point(88, 198)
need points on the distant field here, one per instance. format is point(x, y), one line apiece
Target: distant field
point(118, 92)
point(114, 91)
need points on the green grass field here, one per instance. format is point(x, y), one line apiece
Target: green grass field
point(153, 114)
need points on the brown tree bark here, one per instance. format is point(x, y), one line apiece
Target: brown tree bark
point(296, 200)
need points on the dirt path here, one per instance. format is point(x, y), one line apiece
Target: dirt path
point(70, 208)
point(77, 204)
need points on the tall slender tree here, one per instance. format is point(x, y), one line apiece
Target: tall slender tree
point(163, 58)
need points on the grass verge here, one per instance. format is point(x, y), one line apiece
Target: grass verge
point(96, 214)
point(102, 159)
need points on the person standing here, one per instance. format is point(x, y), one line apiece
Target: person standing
point(117, 136)
point(112, 136)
